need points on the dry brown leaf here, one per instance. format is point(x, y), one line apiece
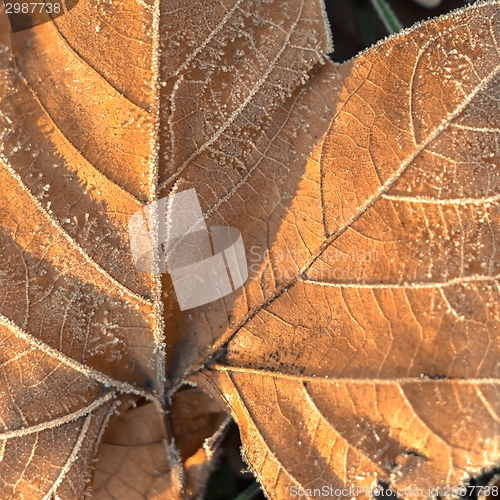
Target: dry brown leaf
point(135, 461)
point(364, 345)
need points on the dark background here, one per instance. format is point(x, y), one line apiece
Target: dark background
point(355, 26)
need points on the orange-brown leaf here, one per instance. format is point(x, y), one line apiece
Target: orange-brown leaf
point(363, 347)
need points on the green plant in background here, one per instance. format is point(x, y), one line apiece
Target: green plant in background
point(391, 22)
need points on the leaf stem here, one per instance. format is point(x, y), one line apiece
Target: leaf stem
point(251, 492)
point(390, 20)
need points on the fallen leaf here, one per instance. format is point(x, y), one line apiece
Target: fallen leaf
point(428, 3)
point(363, 348)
